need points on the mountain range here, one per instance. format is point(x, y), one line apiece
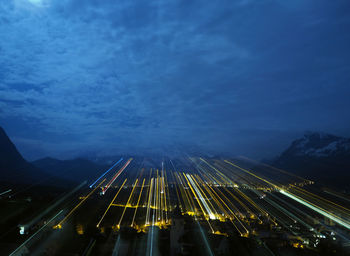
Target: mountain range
point(15, 169)
point(78, 169)
point(318, 156)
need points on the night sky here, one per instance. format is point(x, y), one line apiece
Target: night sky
point(245, 77)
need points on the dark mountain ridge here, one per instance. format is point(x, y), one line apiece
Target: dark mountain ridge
point(318, 156)
point(13, 167)
point(9, 155)
point(78, 169)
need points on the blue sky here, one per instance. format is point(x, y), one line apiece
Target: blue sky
point(239, 77)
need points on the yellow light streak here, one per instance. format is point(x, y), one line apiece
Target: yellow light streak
point(222, 176)
point(137, 205)
point(206, 187)
point(255, 205)
point(239, 201)
point(148, 188)
point(109, 206)
point(204, 195)
point(198, 201)
point(157, 197)
point(216, 198)
point(256, 176)
point(177, 192)
point(59, 225)
point(124, 205)
point(167, 200)
point(149, 202)
point(186, 200)
point(228, 200)
point(233, 214)
point(127, 203)
point(205, 212)
point(279, 170)
point(188, 194)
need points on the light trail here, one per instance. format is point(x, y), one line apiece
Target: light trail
point(229, 202)
point(319, 210)
point(252, 202)
point(154, 203)
point(199, 203)
point(212, 196)
point(177, 192)
point(204, 173)
point(59, 225)
point(123, 205)
point(214, 189)
point(223, 177)
point(258, 207)
point(268, 182)
point(167, 197)
point(89, 247)
point(326, 201)
point(199, 196)
point(150, 191)
point(297, 210)
point(204, 196)
point(157, 198)
point(145, 203)
point(5, 192)
point(285, 212)
point(161, 198)
point(207, 246)
point(105, 173)
point(246, 231)
point(256, 176)
point(233, 214)
point(50, 208)
point(116, 246)
point(277, 169)
point(162, 193)
point(234, 175)
point(109, 206)
point(151, 240)
point(180, 186)
point(191, 209)
point(23, 244)
point(336, 194)
point(239, 201)
point(115, 176)
point(127, 203)
point(138, 202)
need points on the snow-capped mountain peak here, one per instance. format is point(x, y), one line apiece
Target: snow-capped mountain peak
point(316, 144)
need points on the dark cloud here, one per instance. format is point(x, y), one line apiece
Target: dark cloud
point(231, 76)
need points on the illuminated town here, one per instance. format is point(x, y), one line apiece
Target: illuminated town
point(187, 205)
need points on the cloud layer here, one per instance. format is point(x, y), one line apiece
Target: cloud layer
point(104, 76)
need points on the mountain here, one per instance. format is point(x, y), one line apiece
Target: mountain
point(319, 145)
point(13, 167)
point(75, 170)
point(9, 155)
point(318, 156)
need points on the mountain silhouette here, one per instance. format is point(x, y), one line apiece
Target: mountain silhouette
point(318, 156)
point(13, 167)
point(77, 170)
